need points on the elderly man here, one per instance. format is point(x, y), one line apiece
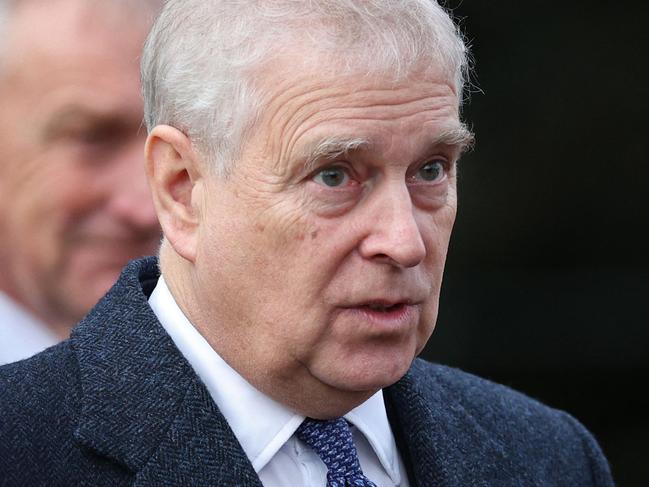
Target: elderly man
point(74, 203)
point(302, 159)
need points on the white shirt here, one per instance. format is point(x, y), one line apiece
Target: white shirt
point(21, 335)
point(278, 457)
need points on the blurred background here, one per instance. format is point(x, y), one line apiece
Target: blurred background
point(547, 280)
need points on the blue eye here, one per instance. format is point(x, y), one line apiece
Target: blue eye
point(331, 177)
point(431, 171)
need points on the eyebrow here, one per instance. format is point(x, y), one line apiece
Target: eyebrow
point(83, 115)
point(332, 147)
point(329, 148)
point(457, 136)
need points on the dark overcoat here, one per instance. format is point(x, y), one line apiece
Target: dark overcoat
point(117, 404)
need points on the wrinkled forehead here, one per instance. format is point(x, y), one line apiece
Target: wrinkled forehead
point(310, 81)
point(307, 81)
point(323, 109)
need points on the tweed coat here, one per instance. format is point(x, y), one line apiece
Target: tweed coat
point(117, 404)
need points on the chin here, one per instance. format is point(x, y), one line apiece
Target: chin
point(370, 376)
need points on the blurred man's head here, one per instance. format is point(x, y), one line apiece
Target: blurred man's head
point(302, 161)
point(74, 205)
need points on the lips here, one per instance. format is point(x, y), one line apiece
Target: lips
point(384, 308)
point(383, 303)
point(382, 316)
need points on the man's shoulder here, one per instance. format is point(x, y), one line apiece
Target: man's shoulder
point(473, 391)
point(488, 402)
point(494, 424)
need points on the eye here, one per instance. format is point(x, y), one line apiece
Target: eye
point(431, 171)
point(331, 177)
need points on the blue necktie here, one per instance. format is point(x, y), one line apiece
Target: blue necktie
point(333, 443)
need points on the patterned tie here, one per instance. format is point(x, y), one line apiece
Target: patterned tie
point(332, 441)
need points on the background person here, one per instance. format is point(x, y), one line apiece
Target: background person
point(74, 204)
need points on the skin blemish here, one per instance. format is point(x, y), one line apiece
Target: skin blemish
point(314, 234)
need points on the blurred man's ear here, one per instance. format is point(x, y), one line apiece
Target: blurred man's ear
point(174, 171)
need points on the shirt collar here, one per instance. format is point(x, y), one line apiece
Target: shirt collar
point(239, 401)
point(371, 419)
point(21, 334)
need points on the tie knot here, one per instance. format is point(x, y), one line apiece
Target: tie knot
point(332, 441)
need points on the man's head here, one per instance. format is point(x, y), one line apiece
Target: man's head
point(74, 205)
point(307, 188)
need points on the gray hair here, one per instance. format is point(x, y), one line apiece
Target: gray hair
point(201, 57)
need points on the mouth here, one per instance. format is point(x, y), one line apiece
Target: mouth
point(386, 315)
point(384, 308)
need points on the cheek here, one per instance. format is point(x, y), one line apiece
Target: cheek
point(272, 303)
point(265, 245)
point(40, 226)
point(64, 189)
point(284, 238)
point(428, 322)
point(283, 280)
point(436, 232)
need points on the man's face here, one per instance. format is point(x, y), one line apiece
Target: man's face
point(323, 265)
point(74, 205)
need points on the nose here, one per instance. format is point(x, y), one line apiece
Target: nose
point(130, 200)
point(393, 235)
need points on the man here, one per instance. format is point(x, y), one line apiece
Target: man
point(74, 203)
point(301, 157)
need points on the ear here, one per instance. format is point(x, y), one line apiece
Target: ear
point(174, 171)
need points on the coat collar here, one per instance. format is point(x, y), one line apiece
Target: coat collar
point(440, 440)
point(142, 404)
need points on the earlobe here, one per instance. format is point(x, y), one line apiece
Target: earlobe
point(173, 170)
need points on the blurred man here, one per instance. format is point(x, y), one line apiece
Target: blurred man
point(302, 160)
point(74, 205)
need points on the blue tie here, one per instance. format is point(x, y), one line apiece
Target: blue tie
point(332, 441)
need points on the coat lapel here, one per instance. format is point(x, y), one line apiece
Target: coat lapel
point(416, 429)
point(444, 445)
point(199, 449)
point(142, 404)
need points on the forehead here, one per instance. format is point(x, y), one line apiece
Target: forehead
point(316, 107)
point(66, 31)
point(72, 52)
